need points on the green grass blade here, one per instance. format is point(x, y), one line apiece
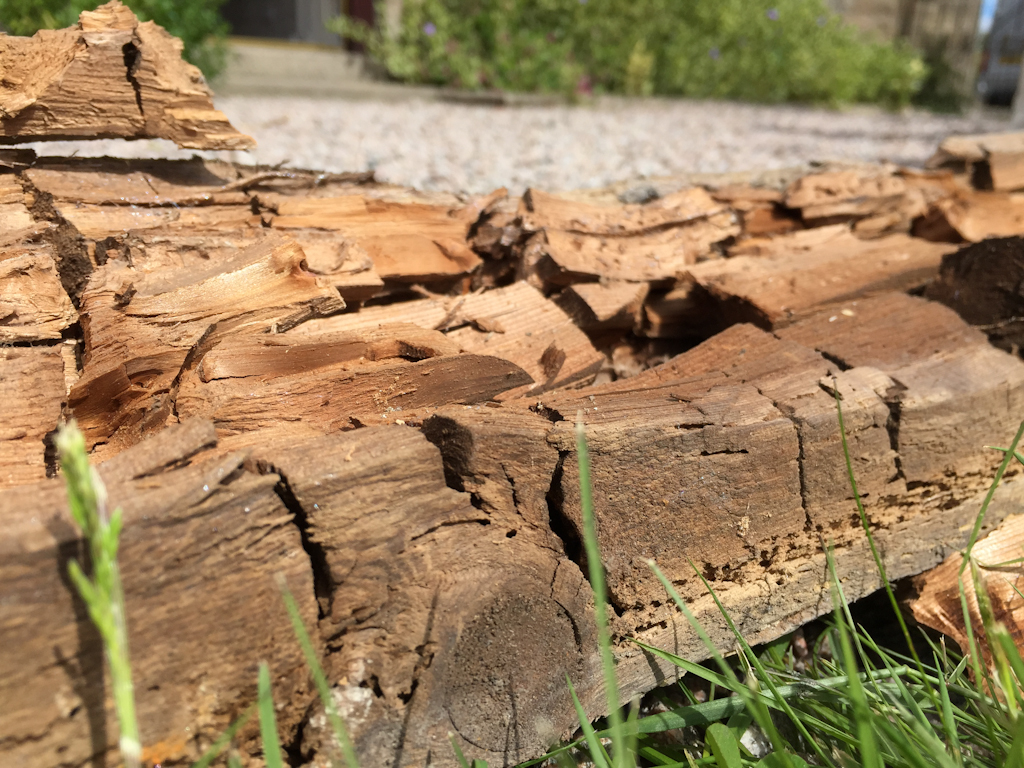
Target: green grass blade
point(341, 734)
point(223, 740)
point(1008, 455)
point(866, 525)
point(595, 569)
point(723, 745)
point(268, 720)
point(862, 717)
point(597, 753)
point(757, 707)
point(463, 763)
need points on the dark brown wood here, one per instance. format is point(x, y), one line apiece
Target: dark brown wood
point(199, 552)
point(979, 282)
point(437, 619)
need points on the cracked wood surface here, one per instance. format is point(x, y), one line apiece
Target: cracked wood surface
point(110, 76)
point(210, 531)
point(411, 462)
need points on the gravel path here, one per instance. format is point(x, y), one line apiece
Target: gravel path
point(458, 147)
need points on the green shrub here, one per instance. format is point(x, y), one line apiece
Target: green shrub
point(197, 22)
point(756, 50)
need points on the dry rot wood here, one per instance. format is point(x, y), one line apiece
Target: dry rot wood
point(108, 77)
point(386, 414)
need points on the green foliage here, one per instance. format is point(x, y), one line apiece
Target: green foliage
point(197, 22)
point(756, 50)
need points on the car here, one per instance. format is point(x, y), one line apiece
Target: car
point(1004, 50)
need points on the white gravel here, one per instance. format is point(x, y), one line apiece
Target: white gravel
point(457, 147)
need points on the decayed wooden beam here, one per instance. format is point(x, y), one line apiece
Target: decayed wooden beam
point(438, 616)
point(199, 552)
point(108, 77)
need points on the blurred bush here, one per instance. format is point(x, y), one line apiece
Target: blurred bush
point(197, 22)
point(755, 50)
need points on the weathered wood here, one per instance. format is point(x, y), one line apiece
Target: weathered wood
point(142, 329)
point(980, 282)
point(102, 181)
point(604, 306)
point(777, 290)
point(32, 395)
point(108, 77)
point(879, 200)
point(992, 161)
point(437, 619)
point(638, 243)
point(515, 323)
point(952, 391)
point(974, 216)
point(315, 394)
point(198, 555)
point(33, 304)
point(408, 242)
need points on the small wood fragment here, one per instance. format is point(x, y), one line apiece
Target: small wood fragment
point(109, 76)
point(33, 304)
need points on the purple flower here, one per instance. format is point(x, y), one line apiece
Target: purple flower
point(430, 29)
point(714, 53)
point(773, 14)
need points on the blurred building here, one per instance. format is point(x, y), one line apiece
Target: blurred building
point(1004, 49)
point(941, 29)
point(296, 20)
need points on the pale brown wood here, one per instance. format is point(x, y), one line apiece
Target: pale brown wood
point(604, 306)
point(142, 329)
point(879, 200)
point(316, 395)
point(32, 395)
point(777, 290)
point(102, 181)
point(108, 77)
point(199, 552)
point(994, 161)
point(580, 242)
point(407, 242)
point(515, 323)
point(33, 304)
point(976, 216)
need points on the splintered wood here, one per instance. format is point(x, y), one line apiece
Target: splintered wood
point(374, 391)
point(111, 76)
